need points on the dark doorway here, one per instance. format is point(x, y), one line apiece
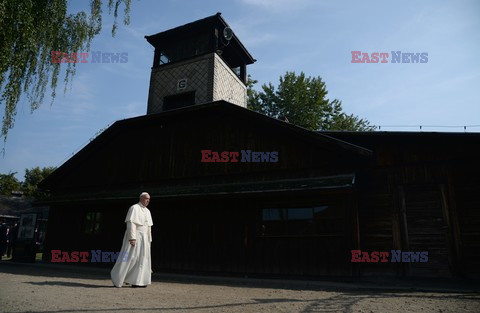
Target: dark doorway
point(179, 100)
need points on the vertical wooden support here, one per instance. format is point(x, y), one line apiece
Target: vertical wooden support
point(355, 267)
point(156, 58)
point(397, 228)
point(455, 227)
point(448, 229)
point(243, 73)
point(404, 229)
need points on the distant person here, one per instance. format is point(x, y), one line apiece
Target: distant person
point(12, 239)
point(3, 238)
point(134, 264)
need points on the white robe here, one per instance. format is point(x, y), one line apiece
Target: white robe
point(134, 265)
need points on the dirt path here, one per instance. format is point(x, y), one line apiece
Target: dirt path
point(32, 288)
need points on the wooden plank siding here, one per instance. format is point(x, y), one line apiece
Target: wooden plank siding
point(218, 236)
point(421, 193)
point(208, 235)
point(465, 185)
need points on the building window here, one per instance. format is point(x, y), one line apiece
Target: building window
point(328, 219)
point(237, 71)
point(164, 58)
point(92, 223)
point(184, 48)
point(179, 100)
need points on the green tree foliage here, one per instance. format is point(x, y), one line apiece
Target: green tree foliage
point(29, 31)
point(303, 101)
point(8, 183)
point(33, 177)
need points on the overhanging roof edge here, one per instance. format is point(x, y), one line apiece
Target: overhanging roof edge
point(283, 185)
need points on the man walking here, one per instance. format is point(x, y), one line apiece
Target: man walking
point(134, 265)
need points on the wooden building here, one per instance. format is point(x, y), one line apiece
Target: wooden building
point(286, 201)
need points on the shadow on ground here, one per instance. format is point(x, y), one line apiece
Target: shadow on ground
point(349, 285)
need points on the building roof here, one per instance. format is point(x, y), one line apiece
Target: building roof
point(225, 110)
point(187, 30)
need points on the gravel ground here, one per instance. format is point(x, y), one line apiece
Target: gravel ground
point(46, 288)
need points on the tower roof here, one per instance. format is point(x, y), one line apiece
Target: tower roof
point(235, 51)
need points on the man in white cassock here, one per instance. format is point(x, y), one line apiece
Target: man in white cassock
point(134, 265)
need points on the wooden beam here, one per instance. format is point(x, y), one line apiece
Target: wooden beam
point(455, 226)
point(404, 229)
point(355, 267)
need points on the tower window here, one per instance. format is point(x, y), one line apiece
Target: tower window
point(179, 100)
point(236, 70)
point(184, 49)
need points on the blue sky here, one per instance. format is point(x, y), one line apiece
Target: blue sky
point(313, 36)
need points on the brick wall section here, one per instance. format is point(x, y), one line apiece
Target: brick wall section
point(227, 86)
point(163, 81)
point(207, 75)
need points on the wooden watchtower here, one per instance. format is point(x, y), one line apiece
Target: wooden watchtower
point(196, 63)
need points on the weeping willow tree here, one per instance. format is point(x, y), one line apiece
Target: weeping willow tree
point(29, 31)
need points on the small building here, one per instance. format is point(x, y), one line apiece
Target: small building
point(236, 192)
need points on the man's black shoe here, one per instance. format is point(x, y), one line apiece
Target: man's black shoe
point(138, 286)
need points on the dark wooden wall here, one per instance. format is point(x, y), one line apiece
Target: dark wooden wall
point(66, 227)
point(219, 235)
point(226, 236)
point(421, 193)
point(464, 189)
